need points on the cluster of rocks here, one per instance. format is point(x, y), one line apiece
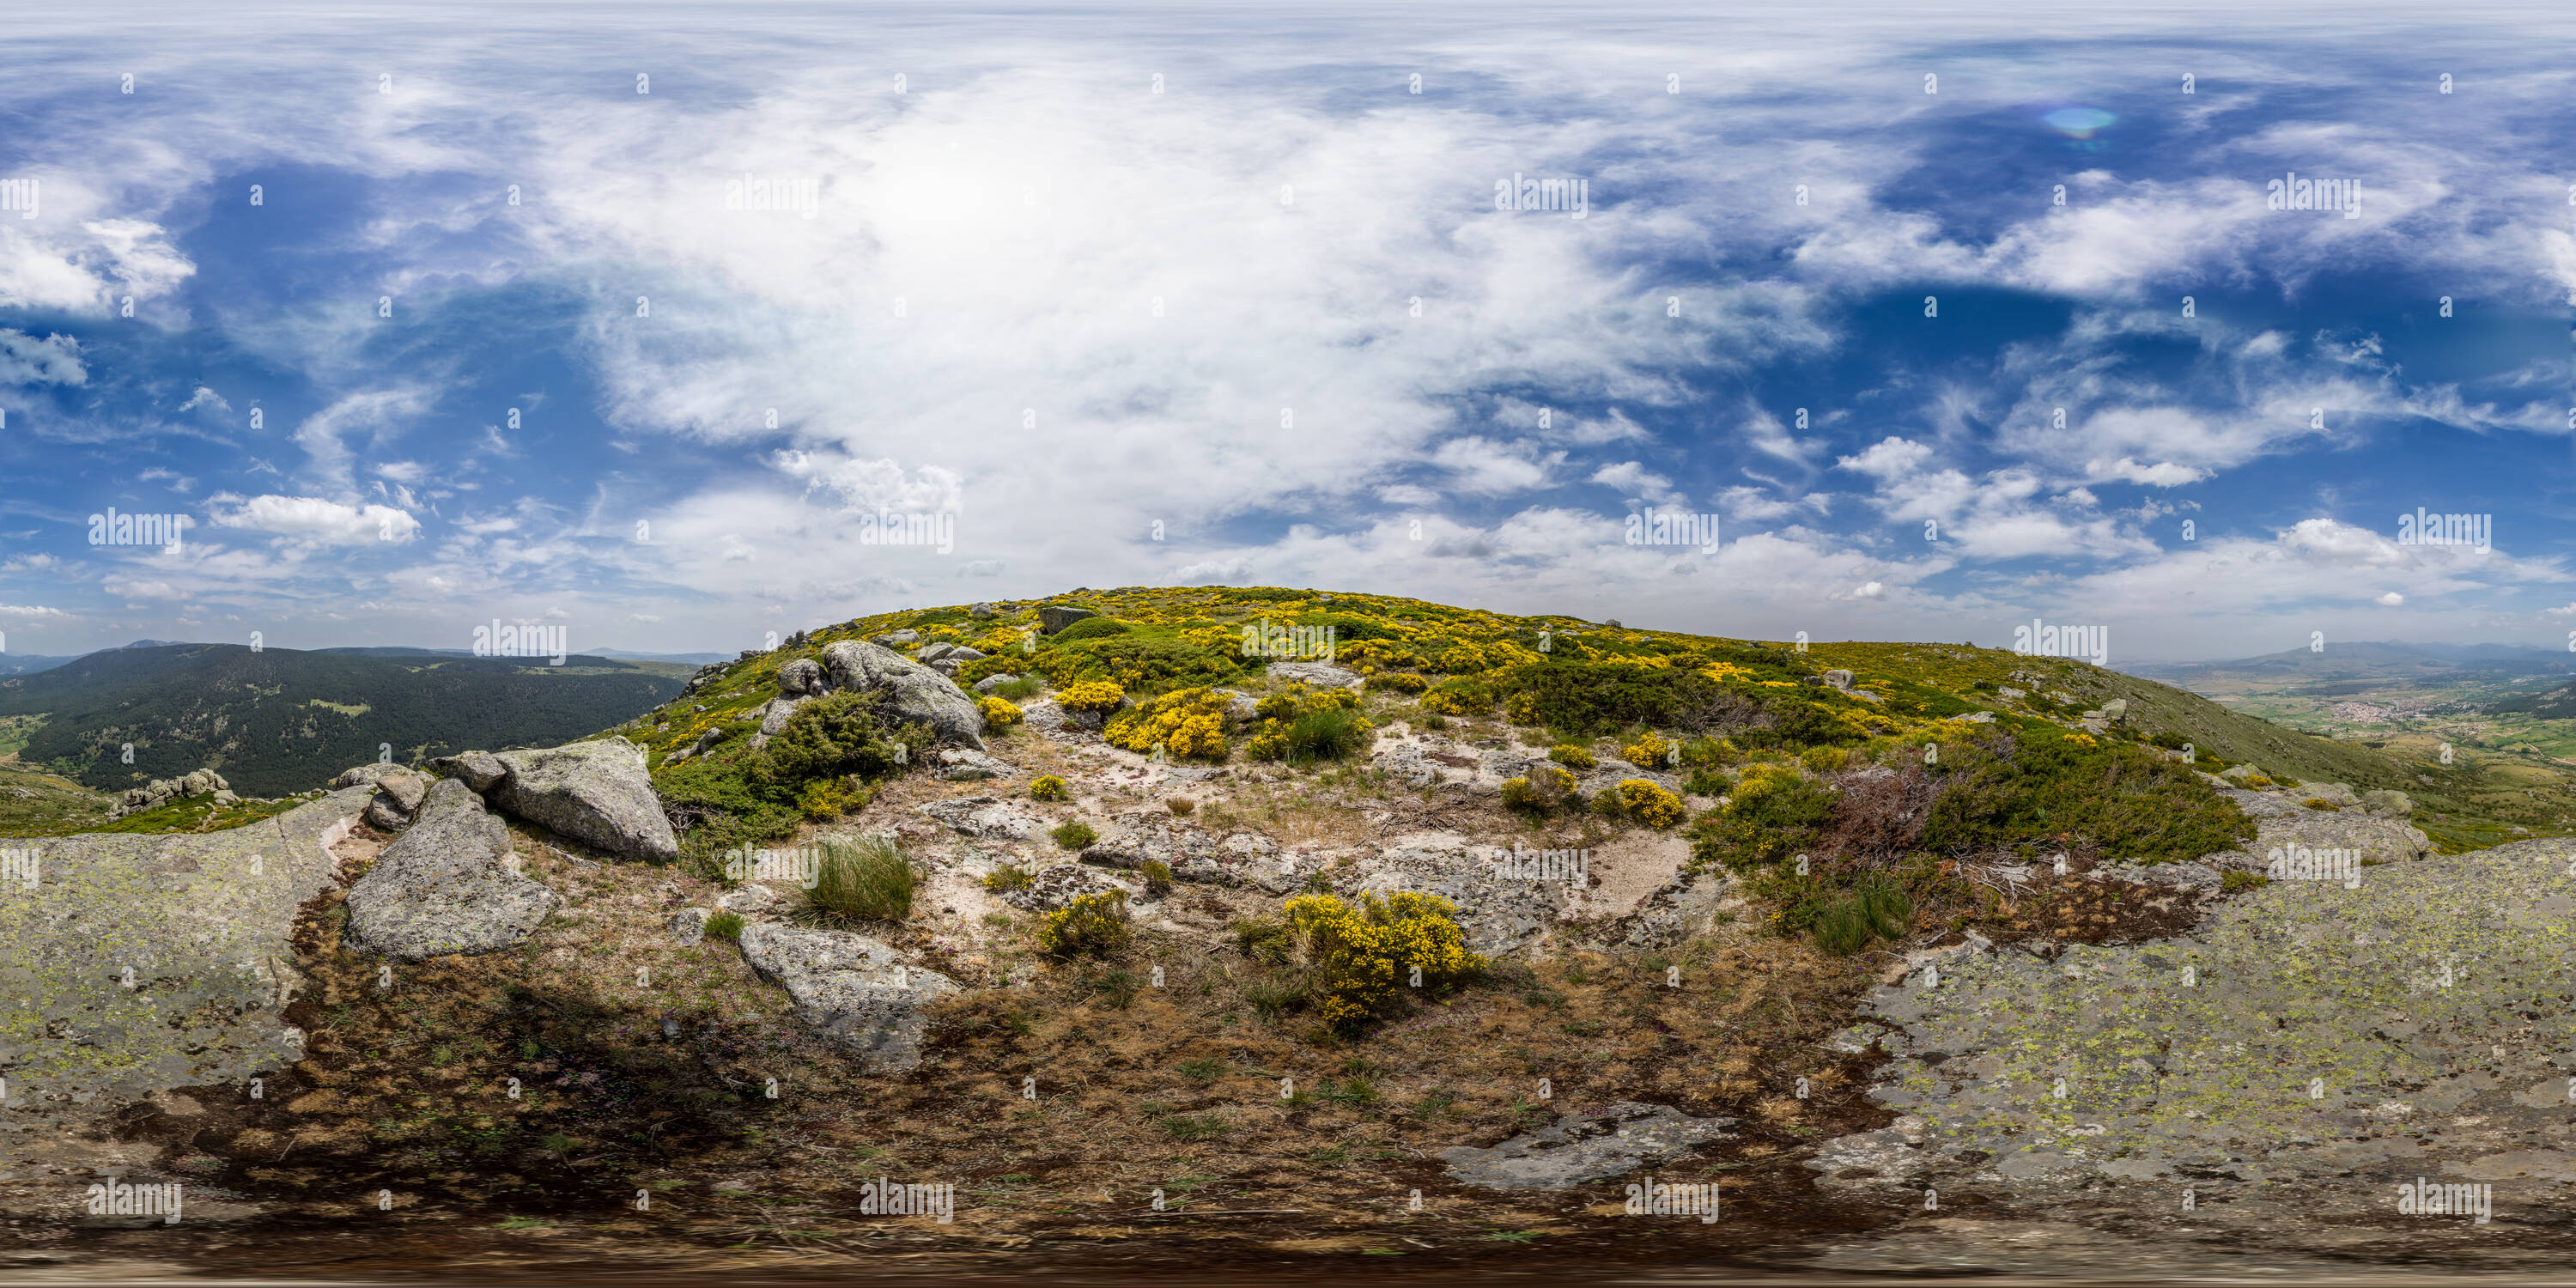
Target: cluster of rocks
point(1586, 1147)
point(449, 884)
point(162, 791)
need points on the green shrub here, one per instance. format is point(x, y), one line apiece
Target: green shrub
point(825, 799)
point(1158, 877)
point(2233, 880)
point(1094, 925)
point(1648, 803)
point(868, 879)
point(2034, 793)
point(1709, 782)
point(1009, 877)
point(1397, 682)
point(725, 925)
point(1074, 835)
point(1461, 696)
point(1333, 734)
point(1089, 628)
point(1775, 812)
point(1579, 757)
point(841, 733)
point(1016, 690)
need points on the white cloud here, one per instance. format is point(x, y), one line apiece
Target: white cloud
point(1638, 483)
point(26, 360)
point(313, 520)
point(2390, 600)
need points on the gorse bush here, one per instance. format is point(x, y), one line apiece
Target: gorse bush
point(2029, 794)
point(1093, 925)
point(1366, 956)
point(1774, 813)
point(1397, 682)
point(1048, 787)
point(1304, 727)
point(1008, 878)
point(1566, 753)
point(1650, 752)
point(1074, 835)
point(998, 713)
point(1648, 803)
point(1092, 696)
point(1546, 790)
point(868, 879)
point(1185, 723)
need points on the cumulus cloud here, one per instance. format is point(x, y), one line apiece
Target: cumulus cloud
point(26, 360)
point(316, 521)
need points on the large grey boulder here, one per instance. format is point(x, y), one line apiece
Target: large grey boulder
point(446, 886)
point(205, 923)
point(365, 775)
point(992, 682)
point(913, 691)
point(1582, 1148)
point(479, 769)
point(596, 792)
point(1500, 911)
point(1055, 617)
point(162, 791)
point(852, 988)
point(803, 677)
point(1322, 675)
point(2284, 825)
point(986, 818)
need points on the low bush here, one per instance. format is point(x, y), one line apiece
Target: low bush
point(1566, 753)
point(1074, 835)
point(1048, 787)
point(1092, 925)
point(1398, 682)
point(1651, 752)
point(726, 925)
point(1185, 723)
point(1180, 806)
point(998, 712)
point(1009, 877)
point(1089, 628)
point(1775, 812)
point(1091, 696)
point(1648, 803)
point(1158, 877)
point(1366, 956)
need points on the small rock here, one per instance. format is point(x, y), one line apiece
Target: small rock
point(992, 682)
point(958, 765)
point(689, 925)
point(852, 988)
point(1322, 675)
point(1055, 617)
point(1582, 1148)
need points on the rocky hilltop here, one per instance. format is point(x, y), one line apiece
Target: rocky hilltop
point(1444, 922)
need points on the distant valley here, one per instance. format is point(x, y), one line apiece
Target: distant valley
point(278, 721)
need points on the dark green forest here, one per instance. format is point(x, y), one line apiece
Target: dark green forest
point(283, 720)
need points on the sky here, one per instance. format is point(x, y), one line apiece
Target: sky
point(674, 326)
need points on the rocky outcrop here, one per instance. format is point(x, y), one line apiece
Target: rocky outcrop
point(986, 818)
point(446, 885)
point(958, 765)
point(398, 797)
point(913, 692)
point(1322, 675)
point(139, 964)
point(1055, 617)
point(1054, 887)
point(1584, 1147)
point(596, 792)
point(854, 989)
point(2304, 1034)
point(2283, 824)
point(803, 677)
point(479, 769)
point(365, 775)
point(162, 791)
point(1500, 914)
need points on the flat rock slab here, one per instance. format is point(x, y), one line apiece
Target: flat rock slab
point(2305, 1032)
point(854, 989)
point(446, 886)
point(1581, 1148)
point(597, 792)
point(203, 922)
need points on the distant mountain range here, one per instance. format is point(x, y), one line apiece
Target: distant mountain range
point(279, 721)
point(31, 663)
point(2359, 666)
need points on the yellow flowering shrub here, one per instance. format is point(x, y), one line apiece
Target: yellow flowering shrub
point(1649, 804)
point(1365, 955)
point(1186, 722)
point(1397, 682)
point(1291, 731)
point(1095, 924)
point(1566, 753)
point(1048, 787)
point(997, 712)
point(1091, 695)
point(1459, 697)
point(1649, 751)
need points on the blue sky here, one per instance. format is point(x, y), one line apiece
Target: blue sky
point(1266, 325)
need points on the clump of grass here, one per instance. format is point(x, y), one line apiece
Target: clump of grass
point(1118, 988)
point(1275, 998)
point(2231, 882)
point(725, 925)
point(1871, 909)
point(864, 880)
point(1333, 733)
point(1074, 835)
point(1009, 877)
point(1192, 1127)
point(1027, 686)
point(1180, 806)
point(1202, 1071)
point(1158, 877)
